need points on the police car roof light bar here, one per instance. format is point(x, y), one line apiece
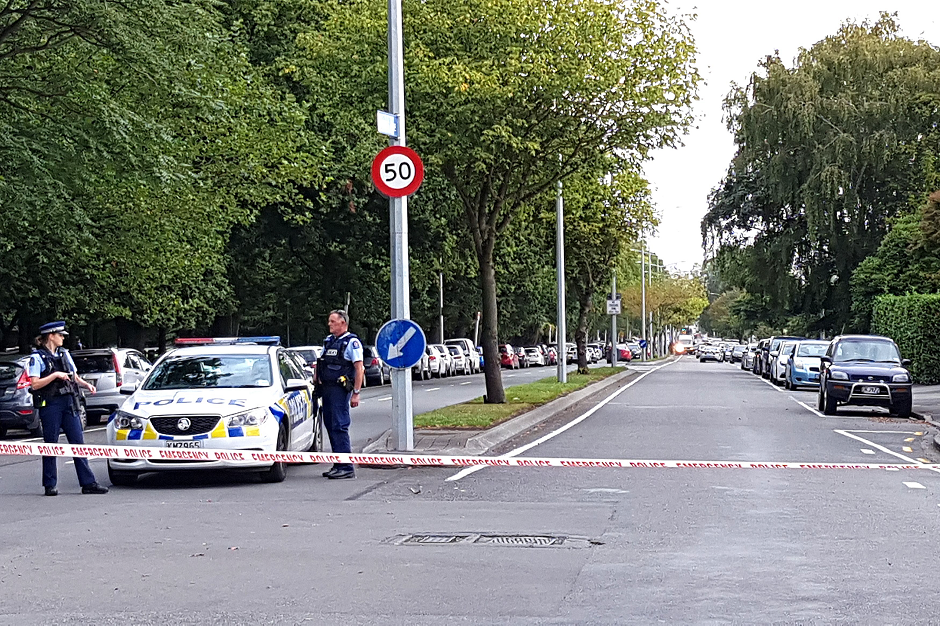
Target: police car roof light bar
point(272, 340)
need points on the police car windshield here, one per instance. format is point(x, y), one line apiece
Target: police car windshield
point(211, 371)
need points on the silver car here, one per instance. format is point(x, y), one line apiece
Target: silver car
point(108, 369)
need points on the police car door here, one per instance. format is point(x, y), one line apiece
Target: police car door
point(298, 404)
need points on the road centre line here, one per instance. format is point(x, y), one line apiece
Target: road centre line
point(433, 389)
point(867, 451)
point(883, 449)
point(466, 383)
point(384, 399)
point(912, 485)
point(476, 468)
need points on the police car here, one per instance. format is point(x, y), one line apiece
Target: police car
point(218, 394)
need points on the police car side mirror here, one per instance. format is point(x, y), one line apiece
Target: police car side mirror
point(296, 384)
point(128, 390)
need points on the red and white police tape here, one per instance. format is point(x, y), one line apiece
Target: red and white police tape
point(251, 456)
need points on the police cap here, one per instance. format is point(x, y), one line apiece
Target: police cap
point(53, 327)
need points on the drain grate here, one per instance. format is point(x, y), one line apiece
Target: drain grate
point(493, 539)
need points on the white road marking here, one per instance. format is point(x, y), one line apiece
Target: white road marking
point(434, 389)
point(385, 398)
point(476, 468)
point(466, 383)
point(509, 375)
point(807, 407)
point(883, 449)
point(773, 386)
point(867, 451)
point(914, 485)
point(907, 449)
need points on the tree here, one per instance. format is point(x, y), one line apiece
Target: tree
point(828, 152)
point(508, 98)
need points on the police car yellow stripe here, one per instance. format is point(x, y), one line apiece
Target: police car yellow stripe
point(121, 435)
point(150, 433)
point(219, 431)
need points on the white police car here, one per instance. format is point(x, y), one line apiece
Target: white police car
point(231, 394)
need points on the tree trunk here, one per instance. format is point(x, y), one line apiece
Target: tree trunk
point(580, 335)
point(495, 394)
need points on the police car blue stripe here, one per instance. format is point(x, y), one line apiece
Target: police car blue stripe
point(135, 434)
point(166, 438)
point(206, 436)
point(236, 431)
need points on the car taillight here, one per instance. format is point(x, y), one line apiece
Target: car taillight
point(375, 362)
point(23, 381)
point(432, 358)
point(118, 377)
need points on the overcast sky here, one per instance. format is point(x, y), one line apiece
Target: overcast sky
point(732, 36)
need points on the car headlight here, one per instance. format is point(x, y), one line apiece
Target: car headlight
point(797, 364)
point(254, 417)
point(124, 420)
point(838, 376)
point(900, 378)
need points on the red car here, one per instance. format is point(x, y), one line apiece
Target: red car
point(508, 357)
point(624, 353)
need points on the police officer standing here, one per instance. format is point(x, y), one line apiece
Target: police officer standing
point(339, 378)
point(54, 383)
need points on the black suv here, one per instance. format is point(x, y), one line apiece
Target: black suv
point(865, 370)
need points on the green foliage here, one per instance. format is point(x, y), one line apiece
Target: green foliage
point(913, 321)
point(828, 152)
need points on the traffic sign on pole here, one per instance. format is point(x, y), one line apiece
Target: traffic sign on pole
point(397, 171)
point(401, 343)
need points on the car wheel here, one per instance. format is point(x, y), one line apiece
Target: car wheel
point(902, 408)
point(83, 418)
point(829, 405)
point(121, 478)
point(381, 377)
point(278, 471)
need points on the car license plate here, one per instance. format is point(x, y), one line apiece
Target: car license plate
point(874, 391)
point(184, 444)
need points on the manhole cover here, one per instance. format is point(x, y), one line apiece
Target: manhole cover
point(493, 539)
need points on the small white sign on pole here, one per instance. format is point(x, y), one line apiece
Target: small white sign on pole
point(387, 123)
point(613, 307)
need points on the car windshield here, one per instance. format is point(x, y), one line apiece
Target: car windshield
point(211, 371)
point(881, 351)
point(93, 363)
point(812, 349)
point(455, 350)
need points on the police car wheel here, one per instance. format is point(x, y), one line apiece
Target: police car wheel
point(317, 444)
point(121, 478)
point(83, 416)
point(278, 472)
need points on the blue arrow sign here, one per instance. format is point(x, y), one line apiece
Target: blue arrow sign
point(401, 343)
point(643, 343)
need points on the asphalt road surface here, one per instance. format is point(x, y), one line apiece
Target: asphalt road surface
point(512, 545)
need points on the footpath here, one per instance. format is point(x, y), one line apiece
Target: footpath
point(479, 442)
point(927, 406)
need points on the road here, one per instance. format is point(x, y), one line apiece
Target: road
point(409, 546)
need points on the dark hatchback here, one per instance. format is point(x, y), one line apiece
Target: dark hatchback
point(16, 402)
point(865, 370)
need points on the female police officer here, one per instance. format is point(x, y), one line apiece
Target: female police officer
point(54, 382)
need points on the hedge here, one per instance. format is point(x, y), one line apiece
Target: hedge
point(913, 321)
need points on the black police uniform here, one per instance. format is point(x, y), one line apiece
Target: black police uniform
point(336, 376)
point(58, 402)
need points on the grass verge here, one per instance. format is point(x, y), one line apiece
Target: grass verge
point(519, 399)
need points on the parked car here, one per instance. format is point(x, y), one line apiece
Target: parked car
point(747, 358)
point(470, 352)
point(595, 352)
point(759, 355)
point(635, 350)
point(737, 352)
point(450, 368)
point(508, 357)
point(462, 362)
point(521, 355)
point(437, 362)
point(624, 353)
point(770, 352)
point(422, 369)
point(778, 365)
point(310, 355)
point(16, 401)
point(377, 371)
point(865, 370)
point(482, 360)
point(804, 364)
point(108, 369)
point(535, 356)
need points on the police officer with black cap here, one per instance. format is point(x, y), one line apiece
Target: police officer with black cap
point(339, 378)
point(54, 384)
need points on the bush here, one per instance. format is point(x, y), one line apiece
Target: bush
point(913, 321)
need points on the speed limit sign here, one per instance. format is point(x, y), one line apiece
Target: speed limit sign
point(397, 171)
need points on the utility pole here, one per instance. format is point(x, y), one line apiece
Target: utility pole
point(402, 409)
point(643, 293)
point(613, 323)
point(562, 334)
point(441, 292)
